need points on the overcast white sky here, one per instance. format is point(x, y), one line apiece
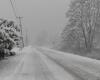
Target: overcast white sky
point(38, 14)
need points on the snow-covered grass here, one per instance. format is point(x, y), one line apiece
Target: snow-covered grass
point(16, 50)
point(72, 56)
point(26, 49)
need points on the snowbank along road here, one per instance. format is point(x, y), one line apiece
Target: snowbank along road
point(47, 64)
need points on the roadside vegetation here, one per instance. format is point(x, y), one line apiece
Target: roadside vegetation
point(81, 35)
point(9, 37)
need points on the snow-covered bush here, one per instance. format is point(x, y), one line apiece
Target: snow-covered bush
point(9, 34)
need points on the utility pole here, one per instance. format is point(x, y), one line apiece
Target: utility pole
point(20, 24)
point(19, 20)
point(26, 38)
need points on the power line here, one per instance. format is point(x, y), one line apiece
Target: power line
point(14, 10)
point(20, 22)
point(26, 39)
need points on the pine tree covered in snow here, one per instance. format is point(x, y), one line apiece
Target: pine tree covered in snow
point(9, 34)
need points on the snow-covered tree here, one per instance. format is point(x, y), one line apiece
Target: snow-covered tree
point(9, 34)
point(83, 22)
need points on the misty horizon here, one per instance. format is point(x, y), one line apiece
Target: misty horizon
point(48, 15)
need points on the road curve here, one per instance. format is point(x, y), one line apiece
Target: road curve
point(80, 67)
point(48, 64)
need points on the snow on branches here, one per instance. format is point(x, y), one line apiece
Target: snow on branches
point(9, 34)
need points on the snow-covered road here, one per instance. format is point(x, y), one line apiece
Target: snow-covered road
point(47, 64)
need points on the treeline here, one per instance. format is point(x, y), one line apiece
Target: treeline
point(9, 37)
point(83, 27)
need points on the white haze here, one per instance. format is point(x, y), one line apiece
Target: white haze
point(38, 15)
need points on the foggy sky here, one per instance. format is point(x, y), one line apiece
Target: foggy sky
point(37, 15)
